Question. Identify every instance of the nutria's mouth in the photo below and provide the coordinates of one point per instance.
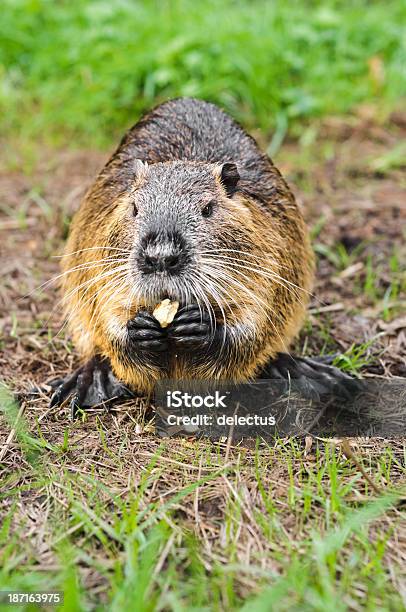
(154, 288)
(152, 293)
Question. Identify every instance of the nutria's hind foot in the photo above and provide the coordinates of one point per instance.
(316, 376)
(90, 385)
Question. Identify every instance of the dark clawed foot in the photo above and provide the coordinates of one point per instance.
(191, 328)
(145, 334)
(316, 376)
(323, 359)
(55, 382)
(92, 384)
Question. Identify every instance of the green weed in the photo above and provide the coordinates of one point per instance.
(356, 357)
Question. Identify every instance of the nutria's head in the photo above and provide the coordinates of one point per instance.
(185, 224)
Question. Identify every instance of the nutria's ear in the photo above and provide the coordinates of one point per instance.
(140, 169)
(229, 177)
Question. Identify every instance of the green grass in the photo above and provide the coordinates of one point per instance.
(385, 296)
(114, 545)
(146, 557)
(356, 357)
(391, 160)
(338, 254)
(81, 72)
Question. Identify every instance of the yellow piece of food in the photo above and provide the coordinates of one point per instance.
(165, 312)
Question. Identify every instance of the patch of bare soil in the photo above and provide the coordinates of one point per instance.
(348, 199)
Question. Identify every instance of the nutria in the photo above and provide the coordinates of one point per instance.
(189, 209)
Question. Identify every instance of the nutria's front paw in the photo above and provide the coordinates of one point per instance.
(191, 328)
(146, 335)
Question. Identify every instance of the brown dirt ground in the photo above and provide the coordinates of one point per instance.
(336, 180)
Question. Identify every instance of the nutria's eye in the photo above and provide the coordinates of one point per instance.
(208, 210)
(135, 210)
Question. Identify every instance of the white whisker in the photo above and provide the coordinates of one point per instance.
(255, 268)
(95, 248)
(262, 305)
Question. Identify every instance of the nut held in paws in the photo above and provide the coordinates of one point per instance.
(165, 312)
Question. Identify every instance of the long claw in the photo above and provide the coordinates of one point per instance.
(314, 376)
(92, 384)
(64, 390)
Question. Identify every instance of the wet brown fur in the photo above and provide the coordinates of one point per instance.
(262, 218)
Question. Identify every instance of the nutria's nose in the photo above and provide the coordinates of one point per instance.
(162, 251)
(169, 263)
